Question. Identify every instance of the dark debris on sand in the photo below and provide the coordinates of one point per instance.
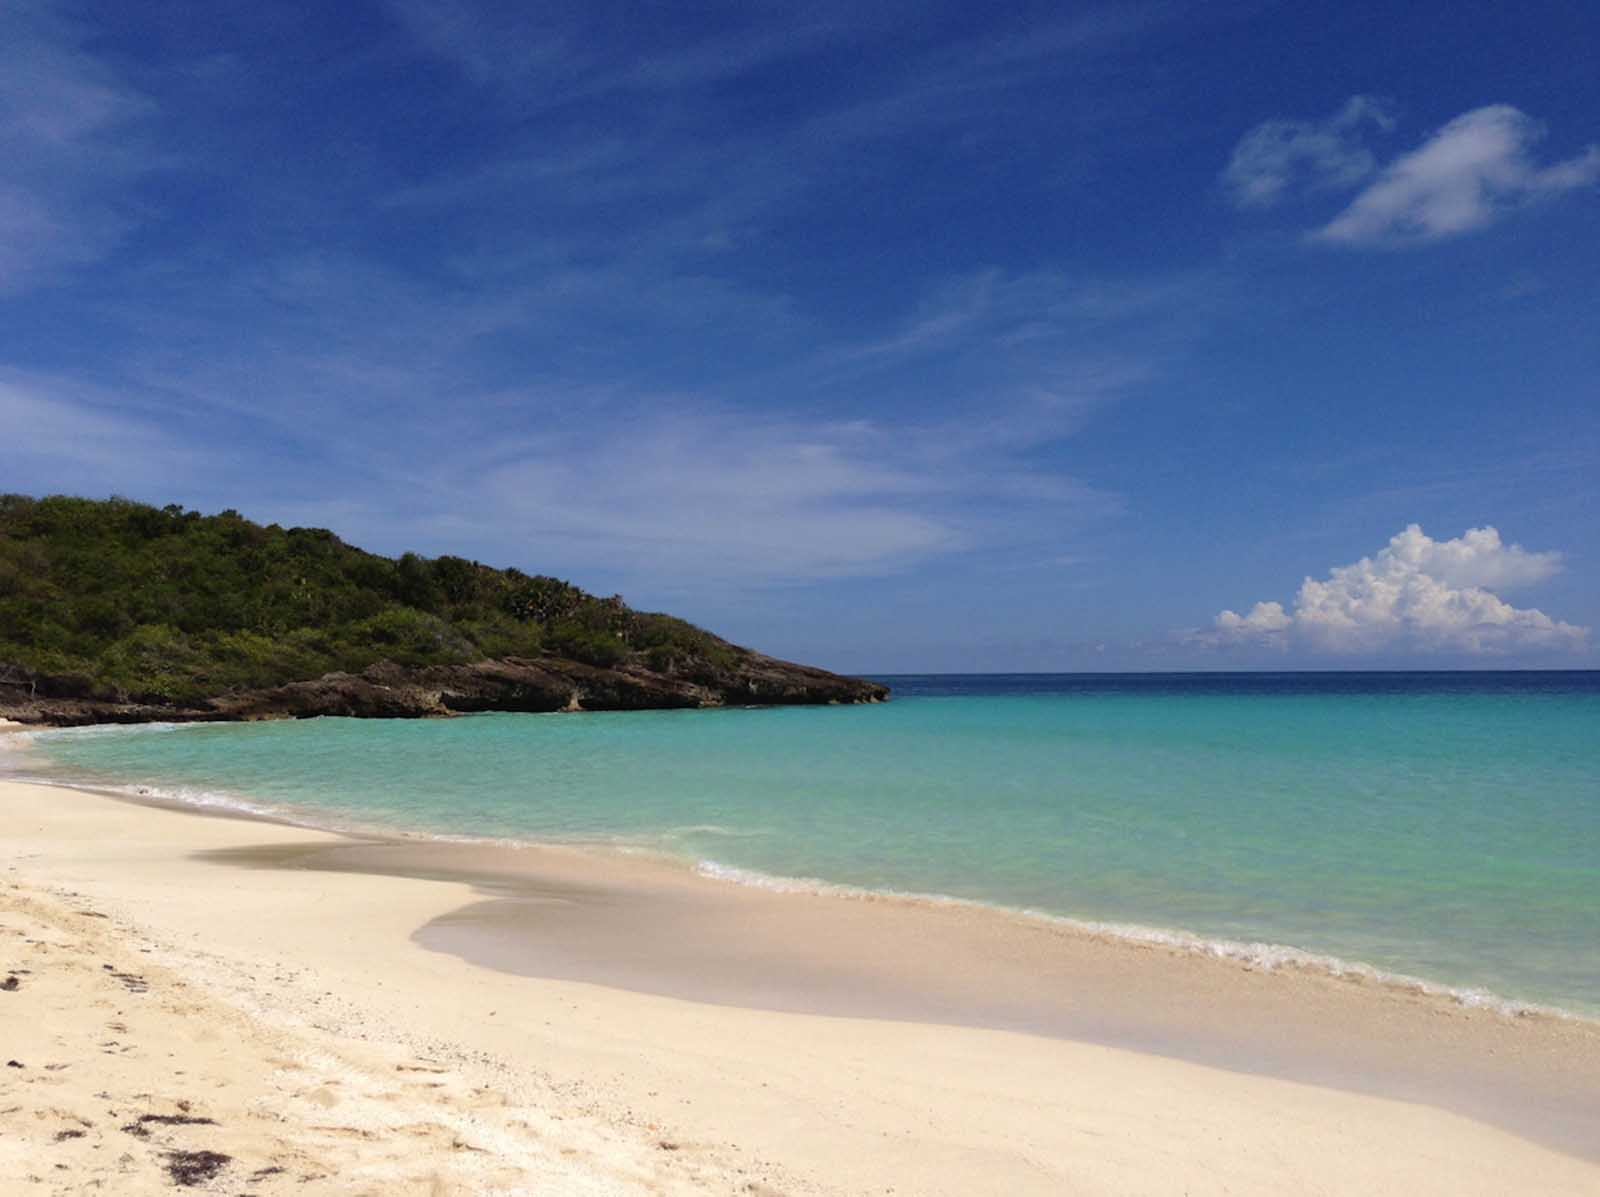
(140, 1127)
(189, 1168)
(132, 982)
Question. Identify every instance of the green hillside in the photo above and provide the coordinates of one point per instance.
(171, 606)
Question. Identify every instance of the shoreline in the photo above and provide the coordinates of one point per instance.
(162, 1031)
(1268, 955)
(648, 926)
(435, 932)
(1265, 955)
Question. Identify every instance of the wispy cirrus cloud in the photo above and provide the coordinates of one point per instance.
(667, 489)
(61, 435)
(680, 181)
(1279, 158)
(557, 367)
(1040, 307)
(548, 54)
(699, 489)
(1416, 595)
(64, 154)
(356, 374)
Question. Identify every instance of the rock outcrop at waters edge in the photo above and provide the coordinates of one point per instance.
(389, 691)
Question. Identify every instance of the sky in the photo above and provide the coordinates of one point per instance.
(891, 337)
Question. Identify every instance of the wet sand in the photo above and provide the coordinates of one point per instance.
(653, 928)
(656, 1032)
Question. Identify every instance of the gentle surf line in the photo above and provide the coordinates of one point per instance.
(1267, 956)
(638, 924)
(1255, 954)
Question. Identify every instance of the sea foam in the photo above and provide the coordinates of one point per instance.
(1269, 957)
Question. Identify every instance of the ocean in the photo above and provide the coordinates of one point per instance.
(1438, 826)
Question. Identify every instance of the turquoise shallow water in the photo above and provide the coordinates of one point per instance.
(1440, 826)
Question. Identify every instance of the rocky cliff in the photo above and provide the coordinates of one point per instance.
(389, 691)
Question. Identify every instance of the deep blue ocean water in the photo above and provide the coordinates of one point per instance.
(1443, 826)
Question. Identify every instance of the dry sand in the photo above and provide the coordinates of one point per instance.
(331, 1051)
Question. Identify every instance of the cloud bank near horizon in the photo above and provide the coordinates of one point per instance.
(1417, 594)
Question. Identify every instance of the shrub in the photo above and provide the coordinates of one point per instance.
(170, 603)
(591, 646)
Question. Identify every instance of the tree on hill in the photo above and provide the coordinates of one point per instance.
(168, 605)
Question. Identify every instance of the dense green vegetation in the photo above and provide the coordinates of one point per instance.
(163, 604)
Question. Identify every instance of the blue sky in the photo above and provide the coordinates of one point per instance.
(886, 336)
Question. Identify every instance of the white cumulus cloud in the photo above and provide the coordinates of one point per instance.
(1278, 156)
(1461, 179)
(1417, 594)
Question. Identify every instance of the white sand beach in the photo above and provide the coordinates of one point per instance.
(168, 1005)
